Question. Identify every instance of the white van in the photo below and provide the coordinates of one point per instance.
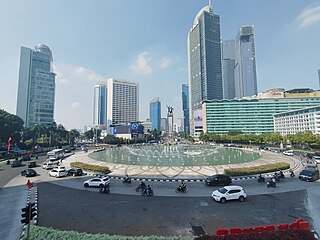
(49, 165)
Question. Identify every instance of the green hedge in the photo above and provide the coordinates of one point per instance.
(256, 170)
(43, 233)
(90, 167)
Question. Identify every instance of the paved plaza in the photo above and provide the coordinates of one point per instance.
(179, 172)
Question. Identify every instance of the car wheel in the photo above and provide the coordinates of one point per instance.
(74, 175)
(101, 185)
(241, 198)
(223, 200)
(86, 185)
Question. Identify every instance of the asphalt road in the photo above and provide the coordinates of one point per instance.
(89, 211)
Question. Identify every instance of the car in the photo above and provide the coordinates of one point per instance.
(288, 153)
(311, 166)
(227, 193)
(29, 172)
(309, 175)
(57, 173)
(75, 172)
(60, 168)
(16, 163)
(218, 180)
(48, 165)
(316, 159)
(32, 164)
(96, 182)
(67, 150)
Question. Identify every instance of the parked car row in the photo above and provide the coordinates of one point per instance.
(58, 171)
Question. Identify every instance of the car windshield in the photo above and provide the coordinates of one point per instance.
(222, 190)
(306, 173)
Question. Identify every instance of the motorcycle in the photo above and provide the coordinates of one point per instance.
(291, 173)
(126, 180)
(104, 189)
(261, 179)
(141, 186)
(281, 175)
(276, 177)
(181, 189)
(271, 183)
(147, 192)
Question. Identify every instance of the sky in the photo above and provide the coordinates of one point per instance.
(146, 41)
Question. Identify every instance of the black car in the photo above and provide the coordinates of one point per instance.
(309, 175)
(75, 172)
(29, 173)
(32, 164)
(218, 180)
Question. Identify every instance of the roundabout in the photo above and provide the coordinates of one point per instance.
(182, 171)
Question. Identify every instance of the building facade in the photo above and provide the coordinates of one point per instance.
(100, 105)
(155, 113)
(204, 61)
(254, 116)
(122, 101)
(36, 86)
(228, 65)
(185, 108)
(164, 125)
(245, 63)
(301, 120)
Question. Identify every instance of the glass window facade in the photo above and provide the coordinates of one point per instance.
(185, 108)
(155, 114)
(36, 87)
(249, 116)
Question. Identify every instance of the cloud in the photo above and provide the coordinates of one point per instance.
(142, 64)
(309, 16)
(165, 62)
(75, 104)
(68, 72)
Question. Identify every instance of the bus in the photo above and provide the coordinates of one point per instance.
(55, 154)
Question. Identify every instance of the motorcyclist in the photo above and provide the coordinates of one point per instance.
(281, 174)
(149, 190)
(182, 186)
(106, 187)
(142, 185)
(127, 179)
(291, 173)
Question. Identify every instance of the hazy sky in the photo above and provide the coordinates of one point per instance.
(146, 41)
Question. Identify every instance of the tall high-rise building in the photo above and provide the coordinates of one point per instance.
(155, 113)
(245, 63)
(228, 63)
(319, 77)
(122, 101)
(164, 125)
(36, 86)
(100, 105)
(185, 108)
(204, 60)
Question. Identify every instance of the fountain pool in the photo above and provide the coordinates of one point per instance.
(176, 155)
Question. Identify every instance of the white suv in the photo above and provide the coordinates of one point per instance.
(48, 165)
(96, 182)
(229, 193)
(58, 173)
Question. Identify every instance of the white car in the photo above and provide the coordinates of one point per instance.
(229, 193)
(288, 153)
(316, 159)
(96, 182)
(58, 173)
(48, 165)
(60, 168)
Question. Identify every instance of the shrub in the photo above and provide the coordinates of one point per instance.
(90, 167)
(256, 170)
(43, 233)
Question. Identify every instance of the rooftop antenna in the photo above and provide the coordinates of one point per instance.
(210, 3)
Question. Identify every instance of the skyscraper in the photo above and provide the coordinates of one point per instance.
(36, 86)
(122, 101)
(204, 60)
(228, 63)
(245, 63)
(100, 105)
(185, 108)
(155, 113)
(319, 77)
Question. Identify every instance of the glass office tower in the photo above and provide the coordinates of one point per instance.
(155, 113)
(245, 63)
(100, 105)
(228, 63)
(36, 86)
(204, 60)
(185, 108)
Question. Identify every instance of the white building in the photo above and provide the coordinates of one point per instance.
(36, 87)
(301, 120)
(122, 101)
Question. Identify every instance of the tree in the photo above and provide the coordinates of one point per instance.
(10, 126)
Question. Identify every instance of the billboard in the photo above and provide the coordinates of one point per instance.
(197, 118)
(136, 129)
